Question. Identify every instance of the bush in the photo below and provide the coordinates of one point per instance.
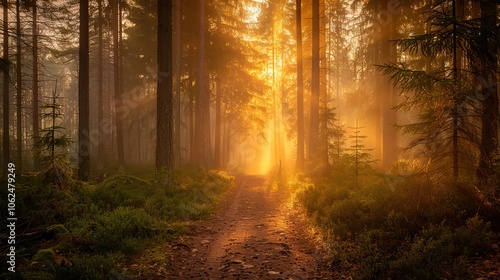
(387, 226)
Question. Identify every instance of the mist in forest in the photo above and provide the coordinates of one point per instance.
(123, 121)
(249, 86)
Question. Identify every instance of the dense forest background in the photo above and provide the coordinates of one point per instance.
(401, 94)
(252, 84)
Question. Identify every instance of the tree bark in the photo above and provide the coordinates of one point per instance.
(83, 94)
(164, 114)
(36, 121)
(6, 81)
(100, 109)
(218, 109)
(178, 71)
(193, 157)
(315, 84)
(19, 128)
(202, 133)
(116, 84)
(458, 6)
(388, 91)
(489, 87)
(299, 165)
(323, 90)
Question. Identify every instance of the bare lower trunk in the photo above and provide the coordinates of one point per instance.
(489, 87)
(83, 94)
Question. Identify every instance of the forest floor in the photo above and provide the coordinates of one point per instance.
(259, 232)
(256, 234)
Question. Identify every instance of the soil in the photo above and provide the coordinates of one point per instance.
(255, 235)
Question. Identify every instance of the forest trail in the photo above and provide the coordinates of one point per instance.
(255, 235)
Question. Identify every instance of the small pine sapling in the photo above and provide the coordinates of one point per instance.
(51, 146)
(361, 156)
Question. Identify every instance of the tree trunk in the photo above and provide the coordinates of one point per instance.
(36, 121)
(299, 165)
(389, 92)
(193, 157)
(19, 128)
(489, 87)
(227, 141)
(315, 85)
(218, 109)
(83, 94)
(323, 152)
(458, 6)
(178, 71)
(116, 84)
(5, 69)
(100, 106)
(164, 123)
(203, 141)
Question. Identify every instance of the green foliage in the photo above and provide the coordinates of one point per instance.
(443, 73)
(387, 228)
(57, 229)
(50, 147)
(92, 266)
(125, 229)
(190, 199)
(91, 229)
(122, 190)
(42, 266)
(441, 251)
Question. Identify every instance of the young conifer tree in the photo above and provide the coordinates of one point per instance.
(361, 156)
(50, 148)
(441, 93)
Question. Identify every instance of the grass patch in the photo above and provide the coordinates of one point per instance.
(394, 227)
(93, 230)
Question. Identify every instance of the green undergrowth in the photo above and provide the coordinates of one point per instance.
(395, 227)
(93, 230)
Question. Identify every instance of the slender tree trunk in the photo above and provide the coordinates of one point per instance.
(100, 109)
(458, 6)
(83, 94)
(338, 23)
(378, 83)
(218, 109)
(116, 84)
(139, 144)
(489, 88)
(126, 145)
(19, 128)
(227, 145)
(323, 89)
(299, 165)
(6, 81)
(275, 115)
(178, 71)
(223, 158)
(164, 123)
(193, 157)
(203, 101)
(315, 85)
(388, 91)
(36, 121)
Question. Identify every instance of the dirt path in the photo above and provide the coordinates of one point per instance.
(254, 236)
